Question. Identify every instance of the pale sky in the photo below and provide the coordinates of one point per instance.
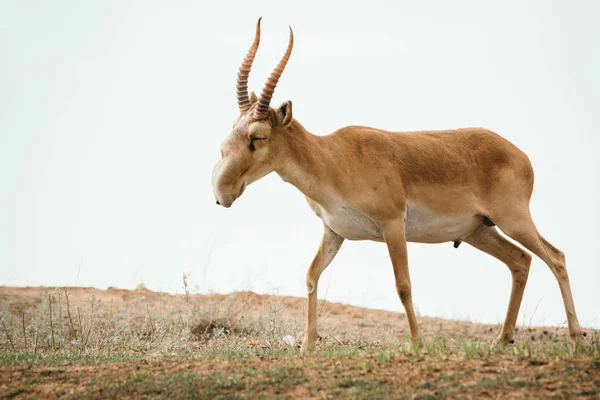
(112, 115)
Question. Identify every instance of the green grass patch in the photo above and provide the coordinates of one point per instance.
(381, 355)
(21, 357)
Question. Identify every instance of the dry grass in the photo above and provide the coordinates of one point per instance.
(86, 321)
(115, 343)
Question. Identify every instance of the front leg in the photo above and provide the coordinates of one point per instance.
(395, 238)
(330, 244)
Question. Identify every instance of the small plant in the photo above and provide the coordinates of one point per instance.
(241, 336)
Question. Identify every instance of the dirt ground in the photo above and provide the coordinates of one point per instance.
(137, 344)
(341, 318)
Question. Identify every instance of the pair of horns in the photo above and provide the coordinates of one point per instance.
(262, 109)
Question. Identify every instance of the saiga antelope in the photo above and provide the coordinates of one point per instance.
(392, 187)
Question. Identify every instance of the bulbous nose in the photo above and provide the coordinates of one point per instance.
(218, 203)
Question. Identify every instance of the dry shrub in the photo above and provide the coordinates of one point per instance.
(92, 321)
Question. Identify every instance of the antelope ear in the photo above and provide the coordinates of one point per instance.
(284, 114)
(253, 98)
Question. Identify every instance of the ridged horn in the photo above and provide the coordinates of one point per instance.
(262, 109)
(242, 82)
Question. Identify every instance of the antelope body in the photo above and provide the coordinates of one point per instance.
(392, 187)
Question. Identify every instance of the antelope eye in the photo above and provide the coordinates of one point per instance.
(251, 145)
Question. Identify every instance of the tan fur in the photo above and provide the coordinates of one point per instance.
(428, 186)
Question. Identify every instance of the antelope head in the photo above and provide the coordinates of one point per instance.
(256, 144)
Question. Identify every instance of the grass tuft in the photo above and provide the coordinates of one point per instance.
(84, 343)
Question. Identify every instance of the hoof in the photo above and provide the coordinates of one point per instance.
(579, 340)
(306, 347)
(502, 341)
(416, 341)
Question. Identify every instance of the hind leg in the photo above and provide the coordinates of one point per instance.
(520, 227)
(488, 240)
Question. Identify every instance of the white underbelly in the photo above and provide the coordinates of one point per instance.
(424, 226)
(350, 224)
(421, 225)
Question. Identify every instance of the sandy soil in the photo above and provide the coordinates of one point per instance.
(340, 318)
(380, 371)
